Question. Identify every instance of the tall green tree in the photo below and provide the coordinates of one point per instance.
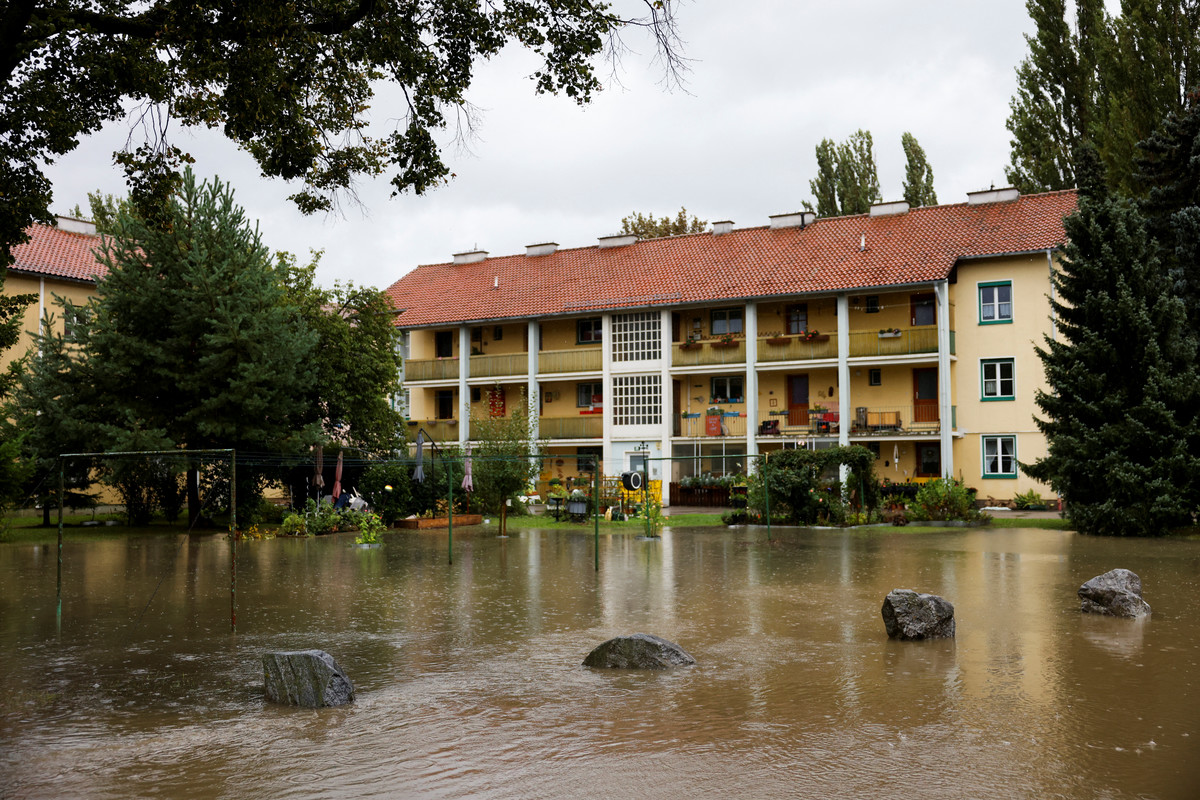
(290, 83)
(847, 180)
(647, 226)
(191, 342)
(918, 175)
(1121, 413)
(507, 457)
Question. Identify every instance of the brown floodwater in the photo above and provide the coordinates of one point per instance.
(470, 685)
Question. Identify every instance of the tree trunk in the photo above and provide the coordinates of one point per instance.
(193, 496)
(504, 518)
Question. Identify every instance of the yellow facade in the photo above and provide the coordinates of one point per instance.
(44, 289)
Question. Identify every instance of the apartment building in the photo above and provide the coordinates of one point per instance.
(909, 331)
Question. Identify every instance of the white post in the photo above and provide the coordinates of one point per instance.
(843, 382)
(464, 392)
(668, 408)
(532, 389)
(606, 415)
(751, 315)
(941, 291)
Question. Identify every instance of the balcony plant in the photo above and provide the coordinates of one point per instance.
(692, 343)
(777, 338)
(889, 333)
(725, 340)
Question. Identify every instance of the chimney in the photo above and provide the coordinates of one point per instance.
(889, 209)
(992, 196)
(617, 240)
(470, 257)
(796, 219)
(722, 227)
(543, 249)
(72, 225)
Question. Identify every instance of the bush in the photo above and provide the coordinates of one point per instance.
(943, 499)
(1027, 499)
(388, 489)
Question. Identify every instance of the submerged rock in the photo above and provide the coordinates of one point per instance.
(1117, 593)
(908, 615)
(308, 678)
(638, 651)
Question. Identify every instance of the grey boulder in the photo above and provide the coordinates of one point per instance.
(908, 615)
(308, 678)
(638, 651)
(1116, 593)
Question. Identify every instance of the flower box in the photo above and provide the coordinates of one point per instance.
(780, 340)
(426, 523)
(724, 344)
(818, 337)
(889, 334)
(690, 346)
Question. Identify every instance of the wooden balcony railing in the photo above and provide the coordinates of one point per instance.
(581, 359)
(796, 349)
(708, 352)
(442, 430)
(731, 423)
(506, 364)
(430, 369)
(590, 426)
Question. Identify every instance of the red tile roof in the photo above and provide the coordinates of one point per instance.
(916, 247)
(60, 254)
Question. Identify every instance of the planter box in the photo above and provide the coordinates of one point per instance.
(820, 337)
(724, 344)
(439, 522)
(895, 335)
(778, 340)
(692, 346)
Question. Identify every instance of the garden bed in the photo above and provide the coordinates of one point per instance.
(426, 523)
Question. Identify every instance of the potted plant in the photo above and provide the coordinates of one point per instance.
(889, 333)
(692, 343)
(777, 338)
(726, 340)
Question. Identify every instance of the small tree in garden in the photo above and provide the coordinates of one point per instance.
(803, 492)
(387, 487)
(506, 458)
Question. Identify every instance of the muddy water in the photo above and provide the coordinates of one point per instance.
(470, 685)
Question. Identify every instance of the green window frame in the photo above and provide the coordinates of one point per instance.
(997, 379)
(995, 303)
(999, 456)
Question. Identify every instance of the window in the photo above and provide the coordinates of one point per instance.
(797, 318)
(999, 456)
(727, 389)
(443, 344)
(726, 320)
(637, 400)
(995, 302)
(587, 394)
(996, 379)
(637, 337)
(444, 402)
(497, 333)
(589, 331)
(74, 319)
(874, 377)
(589, 457)
(929, 460)
(872, 304)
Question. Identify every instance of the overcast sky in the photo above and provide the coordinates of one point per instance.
(769, 79)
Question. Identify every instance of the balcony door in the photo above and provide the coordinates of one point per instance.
(797, 398)
(925, 395)
(924, 309)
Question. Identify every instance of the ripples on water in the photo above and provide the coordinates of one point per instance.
(469, 681)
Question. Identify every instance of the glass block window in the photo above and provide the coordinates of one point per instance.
(999, 456)
(637, 337)
(637, 400)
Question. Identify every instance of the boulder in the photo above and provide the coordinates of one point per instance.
(638, 651)
(1117, 593)
(308, 678)
(908, 615)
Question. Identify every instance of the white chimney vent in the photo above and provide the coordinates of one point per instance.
(992, 196)
(889, 209)
(72, 225)
(796, 219)
(722, 227)
(543, 249)
(470, 257)
(617, 240)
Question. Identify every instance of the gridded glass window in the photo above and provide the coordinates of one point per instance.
(726, 320)
(637, 399)
(999, 456)
(588, 393)
(995, 302)
(637, 337)
(727, 389)
(797, 318)
(589, 331)
(996, 376)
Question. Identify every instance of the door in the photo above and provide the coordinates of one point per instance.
(929, 460)
(797, 318)
(443, 343)
(924, 309)
(925, 395)
(797, 397)
(677, 409)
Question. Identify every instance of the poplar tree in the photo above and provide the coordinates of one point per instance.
(847, 180)
(1120, 415)
(918, 175)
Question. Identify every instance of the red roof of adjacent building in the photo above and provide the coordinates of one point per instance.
(58, 253)
(919, 246)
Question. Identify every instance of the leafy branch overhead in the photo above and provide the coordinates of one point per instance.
(293, 84)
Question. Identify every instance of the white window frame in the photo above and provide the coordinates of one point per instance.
(992, 447)
(997, 379)
(995, 304)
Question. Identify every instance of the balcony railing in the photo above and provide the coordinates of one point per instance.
(499, 365)
(430, 369)
(581, 359)
(730, 423)
(908, 341)
(589, 426)
(442, 430)
(865, 421)
(708, 353)
(772, 348)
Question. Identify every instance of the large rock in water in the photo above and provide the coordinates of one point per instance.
(308, 678)
(908, 615)
(1117, 593)
(638, 651)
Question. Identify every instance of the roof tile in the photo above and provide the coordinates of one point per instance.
(60, 254)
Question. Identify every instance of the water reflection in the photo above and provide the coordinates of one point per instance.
(469, 680)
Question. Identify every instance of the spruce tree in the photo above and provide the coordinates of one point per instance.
(1120, 416)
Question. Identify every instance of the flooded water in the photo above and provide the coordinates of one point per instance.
(469, 679)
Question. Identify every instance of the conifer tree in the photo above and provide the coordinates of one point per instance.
(1120, 416)
(918, 175)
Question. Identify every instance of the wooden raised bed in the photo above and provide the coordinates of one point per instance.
(439, 522)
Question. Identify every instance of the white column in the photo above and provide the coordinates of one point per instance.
(606, 416)
(751, 314)
(464, 393)
(941, 291)
(843, 378)
(532, 389)
(668, 408)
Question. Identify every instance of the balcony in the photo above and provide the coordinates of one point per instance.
(581, 359)
(430, 369)
(585, 426)
(701, 425)
(905, 342)
(867, 421)
(710, 352)
(440, 430)
(775, 348)
(499, 366)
